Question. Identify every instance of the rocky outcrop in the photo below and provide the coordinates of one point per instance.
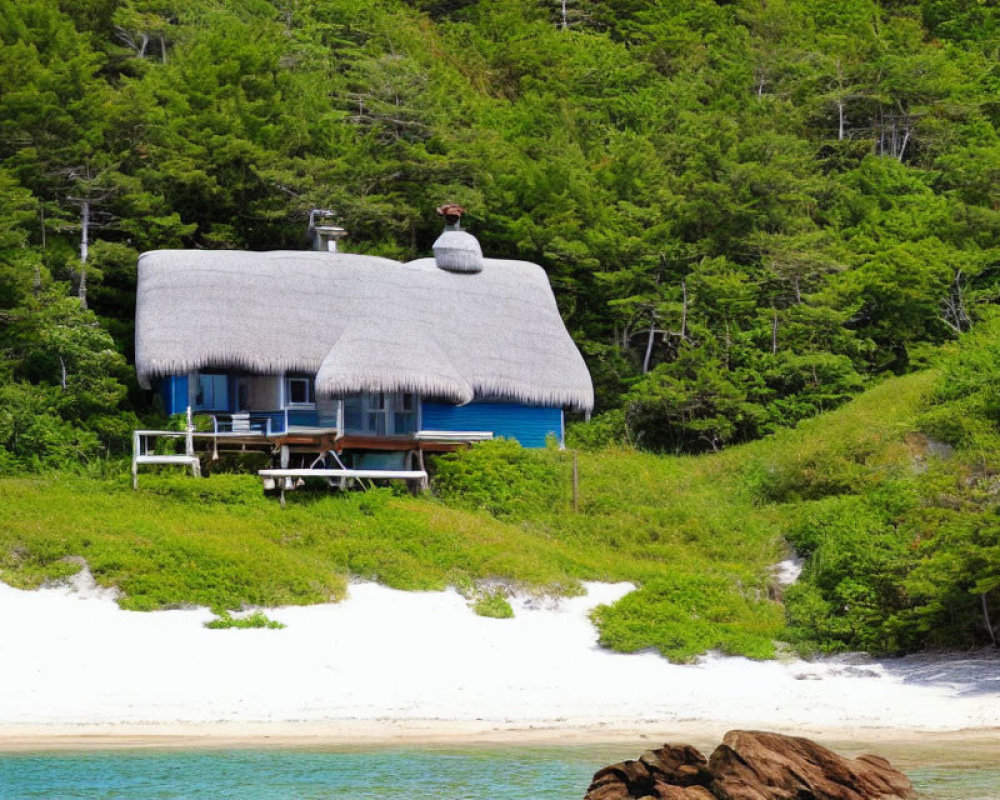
(751, 765)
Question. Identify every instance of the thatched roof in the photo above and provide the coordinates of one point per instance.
(360, 323)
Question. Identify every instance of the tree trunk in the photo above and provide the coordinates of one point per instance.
(62, 367)
(774, 334)
(840, 120)
(902, 147)
(986, 619)
(649, 343)
(84, 251)
(565, 19)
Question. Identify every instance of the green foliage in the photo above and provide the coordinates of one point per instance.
(257, 619)
(499, 477)
(604, 430)
(684, 616)
(900, 532)
(221, 543)
(689, 407)
(493, 604)
(747, 211)
(852, 585)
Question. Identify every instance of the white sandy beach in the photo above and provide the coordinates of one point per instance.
(387, 666)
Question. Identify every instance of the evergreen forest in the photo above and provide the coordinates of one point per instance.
(751, 212)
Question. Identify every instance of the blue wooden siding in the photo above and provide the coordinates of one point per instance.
(530, 425)
(174, 393)
(303, 416)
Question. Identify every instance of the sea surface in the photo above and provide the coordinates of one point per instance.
(435, 774)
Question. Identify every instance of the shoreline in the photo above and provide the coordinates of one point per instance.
(390, 669)
(902, 744)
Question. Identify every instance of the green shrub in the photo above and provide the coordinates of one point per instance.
(683, 616)
(500, 477)
(493, 604)
(604, 430)
(258, 619)
(853, 581)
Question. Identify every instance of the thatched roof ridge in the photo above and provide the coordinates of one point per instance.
(360, 323)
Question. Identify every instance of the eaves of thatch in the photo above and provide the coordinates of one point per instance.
(360, 323)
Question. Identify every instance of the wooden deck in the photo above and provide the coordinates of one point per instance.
(302, 442)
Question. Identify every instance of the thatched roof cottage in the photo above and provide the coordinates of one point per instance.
(358, 345)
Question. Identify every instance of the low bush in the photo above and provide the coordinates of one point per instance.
(501, 478)
(683, 616)
(493, 604)
(258, 619)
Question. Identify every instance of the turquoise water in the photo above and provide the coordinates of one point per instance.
(510, 774)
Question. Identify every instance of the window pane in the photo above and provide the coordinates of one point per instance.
(298, 390)
(212, 392)
(352, 413)
(404, 422)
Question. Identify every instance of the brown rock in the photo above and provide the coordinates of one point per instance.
(663, 791)
(752, 765)
(628, 779)
(678, 765)
(612, 791)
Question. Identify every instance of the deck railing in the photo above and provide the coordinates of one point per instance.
(144, 449)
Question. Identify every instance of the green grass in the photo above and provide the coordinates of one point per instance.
(258, 619)
(696, 534)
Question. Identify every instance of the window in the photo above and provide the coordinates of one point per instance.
(404, 413)
(211, 392)
(380, 413)
(299, 391)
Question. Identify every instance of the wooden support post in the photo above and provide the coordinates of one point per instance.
(576, 484)
(425, 483)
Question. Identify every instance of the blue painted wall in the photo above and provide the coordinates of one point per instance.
(174, 393)
(303, 416)
(530, 425)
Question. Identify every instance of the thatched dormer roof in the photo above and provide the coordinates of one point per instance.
(360, 323)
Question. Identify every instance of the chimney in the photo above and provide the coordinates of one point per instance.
(455, 250)
(323, 233)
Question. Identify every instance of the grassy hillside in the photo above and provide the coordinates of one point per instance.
(696, 533)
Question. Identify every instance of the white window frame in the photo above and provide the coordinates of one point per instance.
(387, 411)
(286, 391)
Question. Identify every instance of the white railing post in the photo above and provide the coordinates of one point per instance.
(135, 459)
(189, 445)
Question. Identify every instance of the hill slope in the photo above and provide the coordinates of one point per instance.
(898, 538)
